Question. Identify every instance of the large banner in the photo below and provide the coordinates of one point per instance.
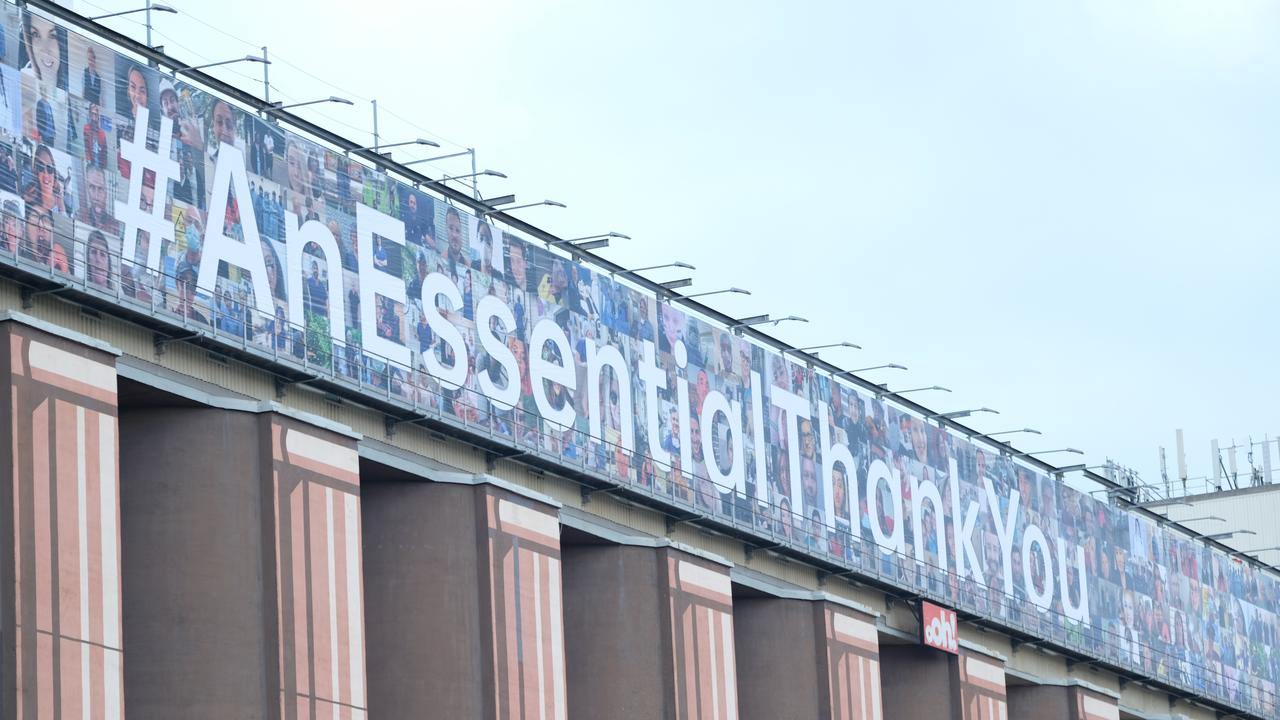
(136, 187)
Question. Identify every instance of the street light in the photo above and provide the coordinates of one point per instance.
(1215, 518)
(276, 107)
(1224, 535)
(550, 203)
(447, 178)
(762, 319)
(152, 8)
(246, 58)
(888, 366)
(1048, 452)
(441, 157)
(676, 264)
(811, 348)
(737, 290)
(1033, 431)
(1259, 550)
(380, 148)
(962, 413)
(618, 235)
(887, 391)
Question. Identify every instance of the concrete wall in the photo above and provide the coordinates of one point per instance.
(806, 658)
(781, 668)
(677, 609)
(1040, 702)
(195, 608)
(242, 578)
(917, 682)
(616, 659)
(920, 682)
(1069, 702)
(464, 602)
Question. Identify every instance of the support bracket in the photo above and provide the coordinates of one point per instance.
(282, 386)
(673, 522)
(587, 492)
(29, 296)
(391, 422)
(491, 459)
(749, 551)
(161, 340)
(823, 577)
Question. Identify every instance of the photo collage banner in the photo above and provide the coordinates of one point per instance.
(135, 186)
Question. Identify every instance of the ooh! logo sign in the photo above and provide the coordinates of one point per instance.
(940, 629)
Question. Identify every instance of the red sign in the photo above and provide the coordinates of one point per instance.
(939, 628)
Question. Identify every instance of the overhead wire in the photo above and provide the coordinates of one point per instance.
(345, 92)
(278, 92)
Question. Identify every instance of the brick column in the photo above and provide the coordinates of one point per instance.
(923, 682)
(806, 658)
(649, 634)
(464, 602)
(242, 566)
(60, 629)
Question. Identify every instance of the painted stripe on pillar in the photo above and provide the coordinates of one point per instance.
(65, 519)
(527, 631)
(702, 635)
(1094, 708)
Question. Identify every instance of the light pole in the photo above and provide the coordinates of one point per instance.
(379, 148)
(954, 414)
(886, 366)
(895, 393)
(676, 264)
(548, 203)
(246, 58)
(277, 107)
(763, 319)
(1047, 452)
(813, 348)
(736, 290)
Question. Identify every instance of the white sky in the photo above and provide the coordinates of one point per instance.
(1062, 210)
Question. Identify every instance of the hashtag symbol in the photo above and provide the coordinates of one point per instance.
(163, 168)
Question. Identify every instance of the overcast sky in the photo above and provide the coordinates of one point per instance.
(1066, 211)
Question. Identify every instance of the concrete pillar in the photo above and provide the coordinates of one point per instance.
(60, 629)
(649, 634)
(242, 566)
(918, 681)
(464, 602)
(1052, 702)
(830, 654)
